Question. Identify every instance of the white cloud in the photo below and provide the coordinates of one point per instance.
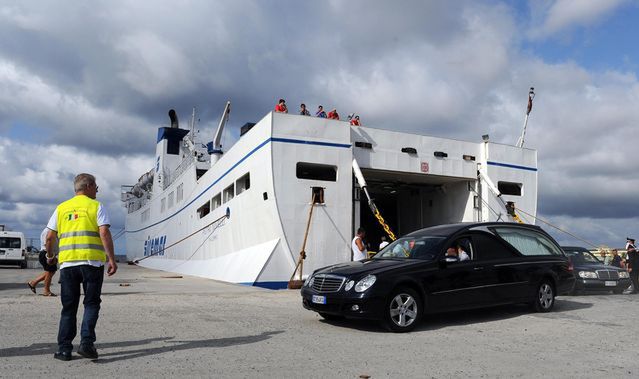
(153, 67)
(565, 14)
(91, 89)
(64, 118)
(39, 177)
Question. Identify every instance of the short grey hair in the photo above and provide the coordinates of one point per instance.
(83, 181)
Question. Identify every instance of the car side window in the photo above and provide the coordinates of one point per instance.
(528, 242)
(487, 248)
(460, 250)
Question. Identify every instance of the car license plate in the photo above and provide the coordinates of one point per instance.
(610, 283)
(319, 299)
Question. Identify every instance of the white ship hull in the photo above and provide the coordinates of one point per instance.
(283, 157)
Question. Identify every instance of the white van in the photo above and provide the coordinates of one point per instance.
(12, 248)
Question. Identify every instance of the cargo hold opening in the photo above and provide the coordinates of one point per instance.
(409, 202)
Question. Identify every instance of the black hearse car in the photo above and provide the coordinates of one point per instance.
(593, 275)
(422, 273)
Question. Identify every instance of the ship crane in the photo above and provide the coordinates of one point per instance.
(215, 147)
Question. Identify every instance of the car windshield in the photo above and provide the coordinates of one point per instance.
(582, 257)
(426, 248)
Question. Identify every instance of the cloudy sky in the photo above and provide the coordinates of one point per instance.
(84, 86)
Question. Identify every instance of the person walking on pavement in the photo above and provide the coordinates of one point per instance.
(357, 245)
(81, 225)
(49, 265)
(633, 264)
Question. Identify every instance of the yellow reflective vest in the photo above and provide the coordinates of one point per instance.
(78, 233)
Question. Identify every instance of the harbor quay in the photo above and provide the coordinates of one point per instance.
(159, 324)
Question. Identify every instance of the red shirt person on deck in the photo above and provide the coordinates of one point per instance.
(281, 106)
(333, 115)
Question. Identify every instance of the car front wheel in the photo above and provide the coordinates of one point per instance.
(403, 310)
(544, 297)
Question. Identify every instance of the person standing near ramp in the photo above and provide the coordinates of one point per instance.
(81, 225)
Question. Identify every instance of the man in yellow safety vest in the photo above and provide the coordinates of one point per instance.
(81, 226)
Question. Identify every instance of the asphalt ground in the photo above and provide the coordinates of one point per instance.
(155, 325)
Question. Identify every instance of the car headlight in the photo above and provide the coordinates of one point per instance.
(365, 283)
(349, 285)
(587, 275)
(624, 274)
(310, 281)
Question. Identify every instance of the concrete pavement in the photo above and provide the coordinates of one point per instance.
(161, 326)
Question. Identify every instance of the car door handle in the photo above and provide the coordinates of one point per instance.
(478, 268)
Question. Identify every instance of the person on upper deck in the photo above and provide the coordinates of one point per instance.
(333, 114)
(320, 112)
(303, 110)
(281, 106)
(355, 121)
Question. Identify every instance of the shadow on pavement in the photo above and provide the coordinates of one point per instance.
(14, 286)
(181, 345)
(466, 317)
(172, 345)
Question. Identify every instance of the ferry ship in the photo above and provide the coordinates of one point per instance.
(241, 215)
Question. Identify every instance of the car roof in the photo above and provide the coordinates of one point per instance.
(449, 229)
(580, 248)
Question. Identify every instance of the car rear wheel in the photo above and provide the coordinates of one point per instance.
(403, 310)
(544, 297)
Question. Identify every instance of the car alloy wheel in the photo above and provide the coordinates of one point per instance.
(545, 298)
(403, 311)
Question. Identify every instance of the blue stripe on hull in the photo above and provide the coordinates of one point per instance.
(268, 285)
(267, 141)
(490, 163)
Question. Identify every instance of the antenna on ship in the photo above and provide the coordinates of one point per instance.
(531, 96)
(193, 125)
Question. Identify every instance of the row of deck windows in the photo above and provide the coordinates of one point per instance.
(235, 189)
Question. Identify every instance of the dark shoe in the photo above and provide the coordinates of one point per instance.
(32, 288)
(88, 352)
(63, 355)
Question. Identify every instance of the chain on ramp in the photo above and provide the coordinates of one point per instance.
(384, 225)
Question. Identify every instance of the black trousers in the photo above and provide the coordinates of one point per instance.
(634, 276)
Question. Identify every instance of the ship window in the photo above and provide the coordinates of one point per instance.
(509, 188)
(162, 205)
(173, 146)
(216, 201)
(180, 192)
(314, 171)
(243, 183)
(146, 215)
(229, 193)
(204, 209)
(171, 199)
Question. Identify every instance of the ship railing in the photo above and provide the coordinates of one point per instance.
(172, 176)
